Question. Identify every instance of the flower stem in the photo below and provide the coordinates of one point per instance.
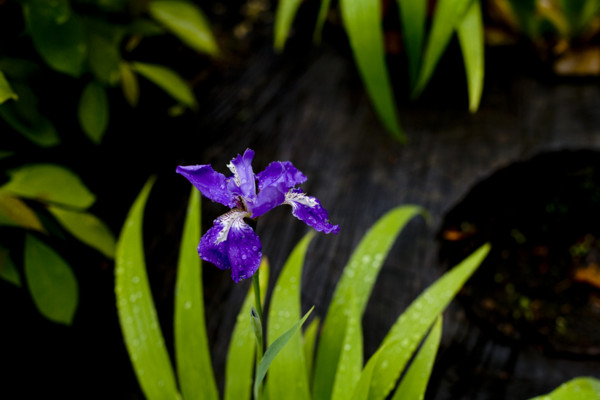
(257, 320)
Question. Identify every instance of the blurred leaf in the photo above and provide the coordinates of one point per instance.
(24, 117)
(321, 18)
(18, 68)
(414, 382)
(579, 14)
(192, 352)
(137, 314)
(6, 92)
(362, 19)
(357, 282)
(51, 282)
(49, 183)
(57, 34)
(168, 81)
(6, 154)
(14, 212)
(287, 375)
(284, 17)
(447, 15)
(87, 228)
(310, 339)
(186, 21)
(525, 13)
(410, 328)
(470, 36)
(274, 349)
(129, 84)
(104, 58)
(240, 355)
(413, 14)
(8, 271)
(93, 111)
(583, 388)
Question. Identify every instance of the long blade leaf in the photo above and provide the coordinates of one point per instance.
(413, 14)
(286, 11)
(470, 37)
(582, 388)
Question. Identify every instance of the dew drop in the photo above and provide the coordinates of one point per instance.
(187, 305)
(135, 279)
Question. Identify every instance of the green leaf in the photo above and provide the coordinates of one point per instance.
(240, 355)
(8, 270)
(356, 282)
(413, 14)
(321, 18)
(14, 212)
(93, 111)
(57, 34)
(104, 58)
(274, 349)
(168, 81)
(6, 92)
(192, 352)
(129, 84)
(286, 11)
(362, 19)
(310, 340)
(49, 183)
(87, 228)
(287, 375)
(186, 21)
(582, 388)
(414, 382)
(51, 282)
(137, 314)
(448, 14)
(410, 328)
(470, 36)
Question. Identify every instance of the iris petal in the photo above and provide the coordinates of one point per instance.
(281, 174)
(210, 183)
(267, 199)
(308, 209)
(243, 181)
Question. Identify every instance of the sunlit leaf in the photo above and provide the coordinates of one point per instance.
(287, 376)
(6, 92)
(310, 340)
(240, 355)
(274, 349)
(582, 388)
(410, 328)
(93, 111)
(51, 282)
(87, 228)
(470, 36)
(58, 34)
(168, 81)
(192, 352)
(129, 84)
(49, 183)
(286, 11)
(447, 16)
(14, 212)
(321, 18)
(414, 382)
(357, 282)
(137, 314)
(8, 270)
(362, 19)
(186, 21)
(413, 14)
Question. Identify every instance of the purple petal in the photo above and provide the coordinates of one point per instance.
(232, 244)
(267, 199)
(210, 183)
(309, 210)
(282, 174)
(243, 181)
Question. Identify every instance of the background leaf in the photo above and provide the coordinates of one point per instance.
(186, 21)
(8, 270)
(93, 111)
(310, 340)
(14, 212)
(51, 282)
(287, 375)
(87, 228)
(104, 55)
(470, 36)
(413, 14)
(129, 84)
(168, 81)
(6, 92)
(49, 183)
(321, 18)
(284, 17)
(362, 19)
(137, 314)
(192, 352)
(583, 388)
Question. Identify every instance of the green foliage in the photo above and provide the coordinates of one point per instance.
(6, 92)
(8, 270)
(413, 14)
(583, 388)
(470, 36)
(93, 111)
(168, 80)
(14, 212)
(286, 11)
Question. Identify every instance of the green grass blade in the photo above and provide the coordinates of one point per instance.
(242, 347)
(470, 37)
(362, 19)
(410, 328)
(273, 350)
(357, 281)
(414, 383)
(192, 353)
(137, 314)
(310, 340)
(284, 17)
(582, 388)
(447, 16)
(321, 18)
(413, 14)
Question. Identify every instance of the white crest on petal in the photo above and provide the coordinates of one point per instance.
(293, 198)
(232, 217)
(236, 176)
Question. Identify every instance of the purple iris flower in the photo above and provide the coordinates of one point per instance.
(231, 243)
